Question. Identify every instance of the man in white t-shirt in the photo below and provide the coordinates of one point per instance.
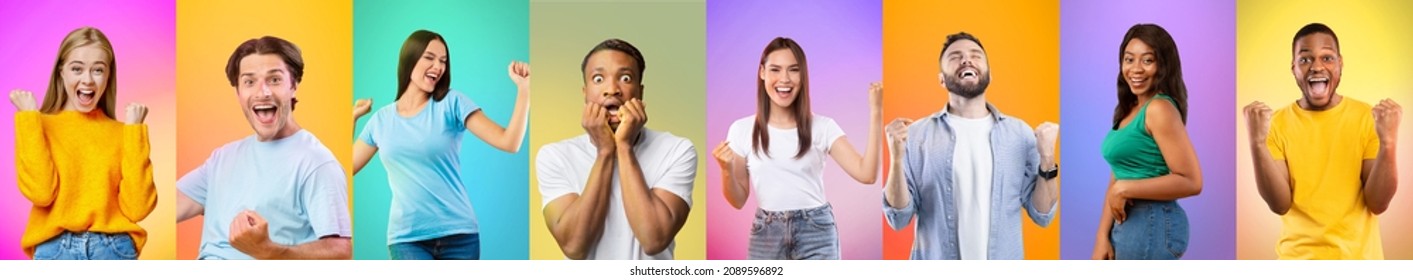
(278, 194)
(620, 191)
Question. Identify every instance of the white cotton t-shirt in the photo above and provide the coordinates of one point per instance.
(971, 180)
(780, 181)
(668, 162)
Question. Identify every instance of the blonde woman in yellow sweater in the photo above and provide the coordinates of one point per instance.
(88, 175)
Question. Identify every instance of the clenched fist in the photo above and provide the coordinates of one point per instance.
(362, 107)
(23, 100)
(897, 132)
(1045, 138)
(1386, 116)
(1258, 121)
(136, 113)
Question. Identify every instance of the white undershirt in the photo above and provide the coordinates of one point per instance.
(971, 162)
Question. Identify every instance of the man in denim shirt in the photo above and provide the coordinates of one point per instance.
(968, 168)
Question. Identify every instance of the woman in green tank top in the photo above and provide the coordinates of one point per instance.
(1148, 150)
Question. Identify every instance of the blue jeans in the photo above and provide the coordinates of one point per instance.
(1155, 230)
(87, 246)
(451, 247)
(807, 234)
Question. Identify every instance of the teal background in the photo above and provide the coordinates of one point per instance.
(483, 37)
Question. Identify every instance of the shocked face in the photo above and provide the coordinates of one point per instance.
(610, 79)
(85, 73)
(266, 93)
(1316, 66)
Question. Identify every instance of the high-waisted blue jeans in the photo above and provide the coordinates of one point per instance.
(806, 234)
(1155, 230)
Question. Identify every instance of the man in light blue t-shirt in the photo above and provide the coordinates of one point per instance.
(278, 194)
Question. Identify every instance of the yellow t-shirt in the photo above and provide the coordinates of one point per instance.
(1325, 152)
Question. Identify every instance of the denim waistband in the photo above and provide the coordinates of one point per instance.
(767, 215)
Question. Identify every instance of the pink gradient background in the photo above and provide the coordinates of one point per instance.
(843, 43)
(143, 34)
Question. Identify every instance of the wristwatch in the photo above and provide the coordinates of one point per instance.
(1050, 174)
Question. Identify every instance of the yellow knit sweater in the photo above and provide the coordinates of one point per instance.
(83, 172)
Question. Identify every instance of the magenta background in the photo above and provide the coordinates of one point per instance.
(143, 34)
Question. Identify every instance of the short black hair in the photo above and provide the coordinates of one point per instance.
(616, 45)
(1314, 28)
(958, 37)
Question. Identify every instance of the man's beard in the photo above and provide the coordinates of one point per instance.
(955, 86)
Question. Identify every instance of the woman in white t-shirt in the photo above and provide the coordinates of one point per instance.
(794, 220)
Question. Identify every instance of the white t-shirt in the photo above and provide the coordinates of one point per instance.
(971, 164)
(780, 181)
(668, 162)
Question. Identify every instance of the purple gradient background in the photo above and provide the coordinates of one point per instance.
(1090, 33)
(842, 41)
(143, 36)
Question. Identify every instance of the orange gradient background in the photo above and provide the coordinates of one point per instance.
(209, 115)
(1022, 42)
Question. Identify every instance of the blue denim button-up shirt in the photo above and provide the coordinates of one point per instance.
(927, 168)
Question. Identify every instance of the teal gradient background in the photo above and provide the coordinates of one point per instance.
(483, 37)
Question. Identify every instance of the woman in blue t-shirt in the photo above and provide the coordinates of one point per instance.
(419, 136)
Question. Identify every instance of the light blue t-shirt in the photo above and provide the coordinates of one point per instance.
(420, 154)
(295, 183)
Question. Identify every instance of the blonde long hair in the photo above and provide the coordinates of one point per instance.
(55, 97)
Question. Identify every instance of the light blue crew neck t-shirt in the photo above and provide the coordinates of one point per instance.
(421, 155)
(295, 183)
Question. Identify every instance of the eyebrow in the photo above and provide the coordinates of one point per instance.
(620, 69)
(977, 51)
(81, 62)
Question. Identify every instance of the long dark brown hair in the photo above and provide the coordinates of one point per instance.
(412, 50)
(760, 137)
(1169, 76)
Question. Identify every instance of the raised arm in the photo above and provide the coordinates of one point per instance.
(895, 186)
(508, 138)
(34, 165)
(1272, 176)
(576, 219)
(1184, 179)
(735, 177)
(1047, 191)
(863, 169)
(137, 195)
(654, 214)
(1381, 174)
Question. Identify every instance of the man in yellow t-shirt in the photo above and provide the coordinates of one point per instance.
(1326, 162)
